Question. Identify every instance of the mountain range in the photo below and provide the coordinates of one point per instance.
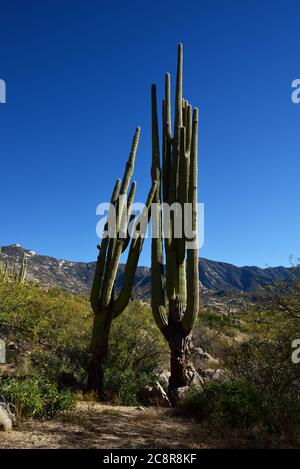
(76, 277)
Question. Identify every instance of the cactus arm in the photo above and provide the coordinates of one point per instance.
(178, 123)
(115, 244)
(131, 197)
(189, 129)
(97, 280)
(181, 242)
(112, 273)
(127, 175)
(112, 241)
(165, 174)
(130, 163)
(157, 276)
(127, 240)
(131, 215)
(157, 273)
(182, 194)
(135, 249)
(167, 140)
(184, 109)
(100, 265)
(155, 169)
(123, 228)
(168, 123)
(178, 98)
(192, 308)
(172, 266)
(177, 126)
(157, 268)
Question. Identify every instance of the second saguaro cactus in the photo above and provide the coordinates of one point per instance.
(175, 287)
(115, 241)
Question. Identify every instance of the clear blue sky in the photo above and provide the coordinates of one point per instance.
(78, 77)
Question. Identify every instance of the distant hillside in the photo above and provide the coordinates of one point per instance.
(76, 277)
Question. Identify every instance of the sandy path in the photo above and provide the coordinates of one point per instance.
(93, 425)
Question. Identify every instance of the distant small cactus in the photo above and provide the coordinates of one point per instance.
(22, 275)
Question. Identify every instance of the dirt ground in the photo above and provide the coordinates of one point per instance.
(93, 425)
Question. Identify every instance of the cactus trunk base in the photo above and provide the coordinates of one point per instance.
(99, 350)
(95, 385)
(179, 348)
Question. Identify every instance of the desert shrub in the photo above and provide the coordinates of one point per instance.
(234, 404)
(51, 327)
(215, 332)
(266, 364)
(264, 359)
(33, 398)
(51, 330)
(136, 349)
(125, 386)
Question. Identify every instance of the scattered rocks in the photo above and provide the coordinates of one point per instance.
(12, 346)
(7, 371)
(194, 378)
(217, 375)
(208, 374)
(178, 394)
(203, 360)
(5, 419)
(163, 376)
(23, 365)
(196, 350)
(155, 395)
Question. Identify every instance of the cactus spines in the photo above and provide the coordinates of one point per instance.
(104, 304)
(177, 183)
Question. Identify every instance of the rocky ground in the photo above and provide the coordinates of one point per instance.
(93, 425)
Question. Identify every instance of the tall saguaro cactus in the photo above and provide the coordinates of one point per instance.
(177, 177)
(115, 241)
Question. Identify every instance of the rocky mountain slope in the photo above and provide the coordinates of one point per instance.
(217, 278)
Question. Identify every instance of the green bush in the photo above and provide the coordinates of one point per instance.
(235, 404)
(266, 364)
(50, 327)
(51, 331)
(33, 398)
(136, 348)
(124, 387)
(263, 359)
